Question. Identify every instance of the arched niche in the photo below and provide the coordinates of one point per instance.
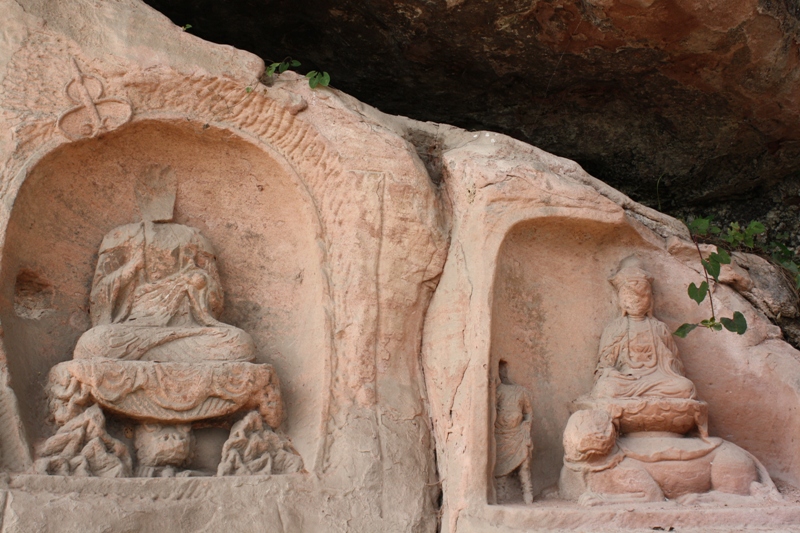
(242, 196)
(551, 302)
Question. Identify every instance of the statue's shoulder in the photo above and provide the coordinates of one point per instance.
(619, 322)
(615, 328)
(121, 234)
(512, 392)
(659, 326)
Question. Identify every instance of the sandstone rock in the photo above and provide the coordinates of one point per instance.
(381, 267)
(533, 241)
(770, 290)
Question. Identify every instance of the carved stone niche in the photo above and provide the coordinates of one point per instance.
(552, 300)
(200, 394)
(550, 305)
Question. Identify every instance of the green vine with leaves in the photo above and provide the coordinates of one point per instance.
(712, 266)
(751, 238)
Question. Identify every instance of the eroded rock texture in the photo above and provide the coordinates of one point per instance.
(673, 101)
(380, 266)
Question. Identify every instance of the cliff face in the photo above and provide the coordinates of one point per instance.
(385, 269)
(676, 102)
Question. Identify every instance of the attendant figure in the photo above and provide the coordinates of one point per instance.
(512, 431)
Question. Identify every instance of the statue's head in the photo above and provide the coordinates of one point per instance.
(634, 287)
(155, 193)
(502, 372)
(589, 434)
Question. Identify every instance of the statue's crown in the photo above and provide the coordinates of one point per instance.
(630, 269)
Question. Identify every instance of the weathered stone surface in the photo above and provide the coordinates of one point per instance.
(534, 240)
(770, 291)
(381, 267)
(328, 252)
(628, 441)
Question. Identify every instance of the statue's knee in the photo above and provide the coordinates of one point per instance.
(241, 344)
(733, 470)
(93, 343)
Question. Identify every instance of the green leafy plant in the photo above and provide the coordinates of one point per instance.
(315, 78)
(751, 238)
(737, 236)
(186, 27)
(712, 266)
(282, 67)
(786, 258)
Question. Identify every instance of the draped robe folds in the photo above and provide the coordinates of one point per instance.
(512, 428)
(156, 296)
(638, 357)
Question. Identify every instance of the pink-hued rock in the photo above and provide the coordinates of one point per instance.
(380, 267)
(601, 468)
(534, 240)
(630, 441)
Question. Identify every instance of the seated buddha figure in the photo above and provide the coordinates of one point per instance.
(638, 357)
(156, 296)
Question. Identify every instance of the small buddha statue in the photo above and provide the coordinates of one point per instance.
(638, 357)
(631, 438)
(156, 293)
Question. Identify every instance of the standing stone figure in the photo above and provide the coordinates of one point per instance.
(512, 432)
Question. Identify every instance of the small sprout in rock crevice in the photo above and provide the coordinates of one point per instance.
(315, 78)
(282, 67)
(186, 27)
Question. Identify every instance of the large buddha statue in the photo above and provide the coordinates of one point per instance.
(158, 356)
(156, 295)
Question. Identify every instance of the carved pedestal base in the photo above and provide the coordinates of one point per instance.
(254, 449)
(82, 447)
(601, 468)
(167, 393)
(162, 449)
(164, 398)
(651, 413)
